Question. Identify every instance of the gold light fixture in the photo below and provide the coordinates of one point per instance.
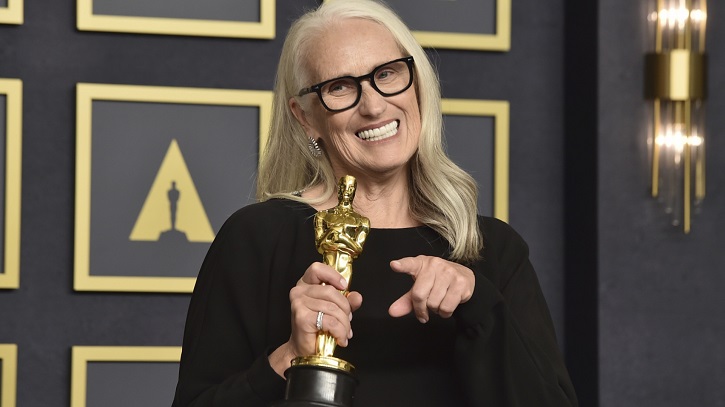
(675, 83)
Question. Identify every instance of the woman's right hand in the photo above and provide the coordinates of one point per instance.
(307, 299)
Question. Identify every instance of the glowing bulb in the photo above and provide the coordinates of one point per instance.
(694, 141)
(677, 140)
(698, 16)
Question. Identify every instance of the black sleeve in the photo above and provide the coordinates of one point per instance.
(224, 358)
(506, 350)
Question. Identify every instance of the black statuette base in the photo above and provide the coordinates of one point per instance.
(314, 386)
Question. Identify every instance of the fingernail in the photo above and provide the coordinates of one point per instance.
(422, 320)
(395, 263)
(349, 334)
(345, 342)
(350, 316)
(343, 282)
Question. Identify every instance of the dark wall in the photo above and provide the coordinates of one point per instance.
(651, 333)
(529, 76)
(661, 303)
(45, 317)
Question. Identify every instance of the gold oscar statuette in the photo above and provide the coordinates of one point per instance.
(340, 234)
(322, 380)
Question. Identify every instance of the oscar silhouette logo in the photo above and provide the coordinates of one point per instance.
(189, 221)
(322, 379)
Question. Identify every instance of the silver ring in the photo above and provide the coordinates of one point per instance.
(318, 323)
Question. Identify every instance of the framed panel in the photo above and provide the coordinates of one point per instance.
(11, 156)
(211, 18)
(111, 376)
(158, 171)
(8, 374)
(11, 11)
(477, 137)
(481, 25)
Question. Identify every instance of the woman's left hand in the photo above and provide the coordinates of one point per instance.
(439, 286)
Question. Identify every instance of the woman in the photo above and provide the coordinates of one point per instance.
(453, 311)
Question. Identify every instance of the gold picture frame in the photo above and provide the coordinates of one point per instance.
(12, 89)
(13, 13)
(262, 29)
(9, 380)
(499, 111)
(82, 355)
(498, 41)
(86, 95)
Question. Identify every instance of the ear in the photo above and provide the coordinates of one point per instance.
(301, 116)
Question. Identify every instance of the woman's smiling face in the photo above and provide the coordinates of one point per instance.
(378, 136)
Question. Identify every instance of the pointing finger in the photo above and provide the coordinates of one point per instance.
(407, 265)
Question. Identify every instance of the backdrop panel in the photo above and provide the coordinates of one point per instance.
(10, 180)
(462, 24)
(121, 376)
(215, 18)
(158, 172)
(477, 138)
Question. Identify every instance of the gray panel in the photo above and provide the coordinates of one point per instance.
(661, 324)
(4, 3)
(220, 147)
(232, 10)
(124, 384)
(458, 16)
(470, 142)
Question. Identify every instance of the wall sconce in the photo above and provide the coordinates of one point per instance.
(675, 82)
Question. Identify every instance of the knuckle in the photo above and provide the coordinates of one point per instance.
(446, 309)
(418, 296)
(330, 308)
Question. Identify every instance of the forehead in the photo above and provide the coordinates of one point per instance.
(350, 47)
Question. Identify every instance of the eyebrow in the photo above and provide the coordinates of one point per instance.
(367, 70)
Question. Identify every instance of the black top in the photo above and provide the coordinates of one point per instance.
(499, 349)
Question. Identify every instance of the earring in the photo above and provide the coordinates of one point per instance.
(314, 147)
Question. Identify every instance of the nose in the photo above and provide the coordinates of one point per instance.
(371, 102)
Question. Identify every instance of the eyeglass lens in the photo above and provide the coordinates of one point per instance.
(388, 80)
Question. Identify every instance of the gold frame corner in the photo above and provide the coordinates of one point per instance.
(499, 110)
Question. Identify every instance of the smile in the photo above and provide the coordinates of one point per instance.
(380, 133)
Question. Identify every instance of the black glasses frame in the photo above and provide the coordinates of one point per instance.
(358, 80)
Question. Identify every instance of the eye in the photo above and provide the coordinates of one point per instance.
(387, 74)
(384, 74)
(340, 87)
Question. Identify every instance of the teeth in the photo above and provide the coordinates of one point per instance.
(380, 133)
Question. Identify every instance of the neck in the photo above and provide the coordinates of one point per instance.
(385, 200)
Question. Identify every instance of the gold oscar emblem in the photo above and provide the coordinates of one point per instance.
(340, 233)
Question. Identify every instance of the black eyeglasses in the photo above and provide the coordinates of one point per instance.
(388, 79)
